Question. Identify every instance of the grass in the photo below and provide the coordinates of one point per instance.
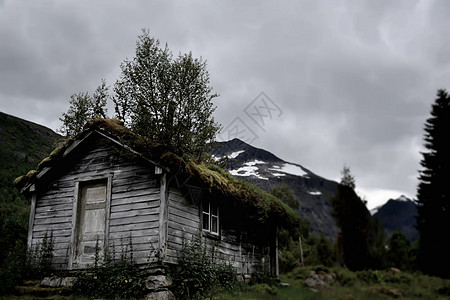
(348, 286)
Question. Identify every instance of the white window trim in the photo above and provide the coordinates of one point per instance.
(210, 217)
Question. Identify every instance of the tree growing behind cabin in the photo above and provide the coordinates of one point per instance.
(433, 196)
(83, 108)
(166, 99)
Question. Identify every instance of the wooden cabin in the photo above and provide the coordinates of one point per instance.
(108, 188)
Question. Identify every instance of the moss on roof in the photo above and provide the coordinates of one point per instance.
(264, 207)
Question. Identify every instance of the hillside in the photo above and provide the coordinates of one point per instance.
(23, 145)
(266, 171)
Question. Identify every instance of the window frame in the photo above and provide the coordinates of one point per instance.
(210, 217)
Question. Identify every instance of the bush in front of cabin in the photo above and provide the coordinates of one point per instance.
(21, 263)
(108, 280)
(199, 273)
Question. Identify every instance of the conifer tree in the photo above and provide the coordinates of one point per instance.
(347, 178)
(433, 194)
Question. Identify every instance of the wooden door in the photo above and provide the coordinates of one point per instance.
(91, 223)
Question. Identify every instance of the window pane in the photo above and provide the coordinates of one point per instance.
(205, 221)
(214, 225)
(214, 208)
(205, 205)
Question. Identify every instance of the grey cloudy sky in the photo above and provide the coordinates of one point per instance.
(344, 82)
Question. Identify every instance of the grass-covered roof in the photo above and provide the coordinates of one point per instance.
(263, 207)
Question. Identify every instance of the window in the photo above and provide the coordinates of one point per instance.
(210, 216)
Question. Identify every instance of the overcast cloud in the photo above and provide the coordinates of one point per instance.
(350, 82)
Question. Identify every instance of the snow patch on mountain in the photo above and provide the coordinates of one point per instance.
(375, 210)
(315, 193)
(235, 154)
(289, 169)
(279, 174)
(249, 169)
(232, 155)
(403, 198)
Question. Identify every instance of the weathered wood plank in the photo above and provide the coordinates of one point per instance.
(127, 185)
(133, 226)
(55, 199)
(180, 209)
(138, 219)
(124, 200)
(55, 207)
(53, 214)
(184, 221)
(133, 234)
(58, 229)
(118, 248)
(134, 206)
(177, 229)
(135, 240)
(49, 221)
(134, 213)
(135, 194)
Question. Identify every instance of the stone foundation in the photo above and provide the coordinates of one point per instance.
(157, 283)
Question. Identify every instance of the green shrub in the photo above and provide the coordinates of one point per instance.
(345, 277)
(199, 273)
(262, 289)
(123, 279)
(371, 276)
(13, 270)
(20, 263)
(39, 258)
(120, 281)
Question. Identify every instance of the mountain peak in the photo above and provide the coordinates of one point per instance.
(403, 198)
(246, 152)
(265, 170)
(398, 214)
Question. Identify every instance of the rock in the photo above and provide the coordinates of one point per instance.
(157, 282)
(320, 280)
(68, 282)
(394, 271)
(160, 295)
(247, 278)
(56, 281)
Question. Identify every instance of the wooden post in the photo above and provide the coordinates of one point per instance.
(31, 220)
(301, 250)
(163, 216)
(277, 269)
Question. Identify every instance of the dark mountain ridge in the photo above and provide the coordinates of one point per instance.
(399, 214)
